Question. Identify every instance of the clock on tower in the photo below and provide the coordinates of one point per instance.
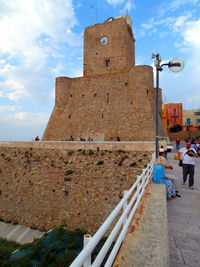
(109, 47)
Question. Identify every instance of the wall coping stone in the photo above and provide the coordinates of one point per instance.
(86, 145)
(146, 242)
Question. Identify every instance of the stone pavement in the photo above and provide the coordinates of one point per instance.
(184, 220)
(19, 233)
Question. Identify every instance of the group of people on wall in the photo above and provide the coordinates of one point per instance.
(186, 156)
(91, 139)
(80, 139)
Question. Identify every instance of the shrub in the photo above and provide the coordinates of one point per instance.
(176, 128)
(67, 179)
(100, 162)
(133, 164)
(69, 172)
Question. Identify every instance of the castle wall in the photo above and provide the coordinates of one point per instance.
(43, 183)
(104, 106)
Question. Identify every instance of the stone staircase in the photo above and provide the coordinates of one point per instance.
(19, 233)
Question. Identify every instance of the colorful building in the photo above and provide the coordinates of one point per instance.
(172, 114)
(191, 118)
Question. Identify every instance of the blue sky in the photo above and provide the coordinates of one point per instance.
(43, 39)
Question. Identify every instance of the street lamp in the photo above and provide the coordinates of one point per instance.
(175, 65)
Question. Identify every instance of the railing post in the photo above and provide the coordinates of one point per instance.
(87, 238)
(138, 185)
(124, 207)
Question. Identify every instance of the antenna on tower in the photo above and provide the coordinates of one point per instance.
(127, 11)
(96, 14)
(92, 14)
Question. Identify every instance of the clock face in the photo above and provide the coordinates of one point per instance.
(103, 40)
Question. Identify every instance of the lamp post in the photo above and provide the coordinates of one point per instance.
(175, 65)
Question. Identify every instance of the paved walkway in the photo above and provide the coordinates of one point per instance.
(184, 220)
(19, 233)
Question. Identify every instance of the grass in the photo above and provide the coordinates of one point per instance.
(58, 248)
(6, 248)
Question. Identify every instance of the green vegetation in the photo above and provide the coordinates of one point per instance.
(83, 152)
(67, 178)
(121, 151)
(133, 164)
(70, 153)
(90, 152)
(176, 128)
(100, 162)
(6, 248)
(68, 172)
(58, 248)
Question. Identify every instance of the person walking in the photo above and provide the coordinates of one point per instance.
(177, 144)
(187, 154)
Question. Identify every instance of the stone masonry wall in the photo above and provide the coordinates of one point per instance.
(105, 106)
(40, 187)
(120, 49)
(185, 135)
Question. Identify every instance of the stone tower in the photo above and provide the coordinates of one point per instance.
(113, 98)
(108, 47)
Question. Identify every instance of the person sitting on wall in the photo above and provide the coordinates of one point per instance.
(161, 160)
(160, 177)
(111, 139)
(118, 139)
(163, 150)
(71, 138)
(37, 138)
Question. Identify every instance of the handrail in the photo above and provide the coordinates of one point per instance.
(131, 208)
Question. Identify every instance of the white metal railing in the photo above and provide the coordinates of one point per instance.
(129, 209)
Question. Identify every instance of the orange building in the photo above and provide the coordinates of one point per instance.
(164, 117)
(172, 114)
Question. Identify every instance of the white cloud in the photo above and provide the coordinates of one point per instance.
(176, 4)
(19, 125)
(4, 109)
(29, 119)
(191, 33)
(22, 126)
(32, 32)
(188, 80)
(115, 2)
(128, 6)
(180, 21)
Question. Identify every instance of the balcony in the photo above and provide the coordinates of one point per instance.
(175, 114)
